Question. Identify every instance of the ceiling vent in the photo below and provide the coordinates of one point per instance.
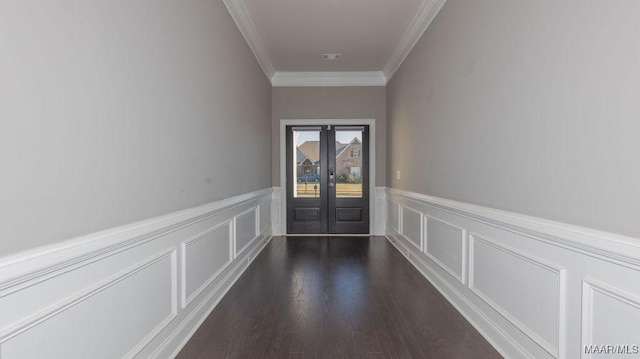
(331, 56)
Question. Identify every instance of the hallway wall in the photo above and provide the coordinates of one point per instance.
(529, 107)
(329, 103)
(119, 111)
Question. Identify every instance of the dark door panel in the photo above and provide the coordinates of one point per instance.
(348, 160)
(306, 180)
(327, 179)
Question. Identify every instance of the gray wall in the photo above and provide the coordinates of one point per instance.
(118, 111)
(527, 106)
(329, 103)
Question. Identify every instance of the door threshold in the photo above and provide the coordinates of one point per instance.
(327, 235)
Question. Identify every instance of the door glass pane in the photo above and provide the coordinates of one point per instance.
(349, 163)
(306, 161)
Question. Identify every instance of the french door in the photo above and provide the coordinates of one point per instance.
(327, 179)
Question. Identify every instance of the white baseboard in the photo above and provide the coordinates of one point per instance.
(525, 283)
(135, 291)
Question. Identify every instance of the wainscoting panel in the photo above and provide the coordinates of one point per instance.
(135, 319)
(445, 245)
(532, 287)
(531, 284)
(276, 215)
(610, 317)
(265, 216)
(204, 257)
(245, 230)
(393, 211)
(134, 291)
(412, 226)
(381, 211)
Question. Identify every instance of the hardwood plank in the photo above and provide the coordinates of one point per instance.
(337, 297)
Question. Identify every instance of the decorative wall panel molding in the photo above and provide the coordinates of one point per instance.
(445, 244)
(411, 227)
(246, 227)
(532, 283)
(380, 210)
(74, 300)
(276, 215)
(54, 332)
(534, 287)
(610, 316)
(265, 216)
(393, 213)
(204, 257)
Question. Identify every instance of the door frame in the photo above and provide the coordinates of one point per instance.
(325, 122)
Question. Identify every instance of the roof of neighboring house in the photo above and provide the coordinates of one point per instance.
(311, 149)
(341, 146)
(341, 150)
(300, 156)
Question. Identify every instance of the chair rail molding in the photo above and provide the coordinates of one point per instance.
(177, 268)
(533, 287)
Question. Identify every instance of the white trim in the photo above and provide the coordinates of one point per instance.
(179, 337)
(462, 277)
(344, 78)
(611, 247)
(324, 122)
(398, 219)
(42, 262)
(276, 212)
(58, 308)
(381, 210)
(538, 262)
(589, 286)
(256, 231)
(186, 300)
(536, 241)
(420, 244)
(425, 15)
(242, 18)
(492, 332)
(573, 254)
(419, 24)
(76, 268)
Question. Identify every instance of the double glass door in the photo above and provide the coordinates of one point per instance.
(327, 179)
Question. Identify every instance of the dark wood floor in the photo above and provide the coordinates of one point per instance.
(317, 297)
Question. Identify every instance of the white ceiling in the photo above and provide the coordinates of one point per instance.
(289, 37)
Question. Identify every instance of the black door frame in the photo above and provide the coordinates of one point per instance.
(280, 205)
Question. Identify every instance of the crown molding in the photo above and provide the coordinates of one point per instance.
(425, 15)
(421, 21)
(344, 78)
(242, 18)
